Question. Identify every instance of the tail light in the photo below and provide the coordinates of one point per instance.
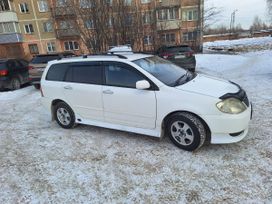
(189, 54)
(30, 67)
(4, 72)
(167, 55)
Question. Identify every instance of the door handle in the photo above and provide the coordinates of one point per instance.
(107, 92)
(68, 87)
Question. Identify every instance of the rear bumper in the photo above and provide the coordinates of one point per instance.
(4, 82)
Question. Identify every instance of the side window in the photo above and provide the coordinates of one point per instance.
(121, 75)
(91, 73)
(57, 72)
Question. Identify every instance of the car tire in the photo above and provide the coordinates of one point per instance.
(15, 84)
(186, 131)
(37, 86)
(64, 115)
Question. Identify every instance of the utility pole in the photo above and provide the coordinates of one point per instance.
(232, 21)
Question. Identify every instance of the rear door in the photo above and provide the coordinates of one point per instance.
(123, 103)
(83, 89)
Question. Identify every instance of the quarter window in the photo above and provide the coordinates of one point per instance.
(57, 72)
(121, 75)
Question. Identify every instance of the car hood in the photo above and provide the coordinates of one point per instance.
(209, 86)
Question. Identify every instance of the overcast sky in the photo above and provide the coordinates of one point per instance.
(247, 10)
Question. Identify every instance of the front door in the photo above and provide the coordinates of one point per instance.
(123, 103)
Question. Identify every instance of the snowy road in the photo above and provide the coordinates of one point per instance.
(42, 163)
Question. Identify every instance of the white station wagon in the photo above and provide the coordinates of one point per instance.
(147, 95)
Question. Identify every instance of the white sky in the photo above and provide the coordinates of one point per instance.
(247, 10)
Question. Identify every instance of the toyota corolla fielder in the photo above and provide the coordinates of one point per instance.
(148, 95)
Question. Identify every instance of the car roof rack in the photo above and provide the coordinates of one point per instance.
(106, 54)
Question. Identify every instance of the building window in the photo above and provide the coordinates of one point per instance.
(71, 45)
(89, 24)
(190, 15)
(7, 28)
(65, 24)
(4, 6)
(85, 4)
(145, 1)
(29, 29)
(148, 40)
(173, 13)
(33, 49)
(51, 47)
(127, 2)
(47, 27)
(147, 18)
(109, 2)
(61, 3)
(23, 7)
(43, 6)
(168, 14)
(168, 38)
(190, 36)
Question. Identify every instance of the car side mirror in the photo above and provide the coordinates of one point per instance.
(143, 84)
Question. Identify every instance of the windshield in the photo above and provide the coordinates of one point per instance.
(165, 71)
(44, 59)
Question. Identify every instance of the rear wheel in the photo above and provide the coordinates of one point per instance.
(64, 115)
(15, 84)
(186, 131)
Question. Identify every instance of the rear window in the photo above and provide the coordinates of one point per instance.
(44, 59)
(179, 49)
(57, 72)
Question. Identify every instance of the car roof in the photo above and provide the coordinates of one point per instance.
(126, 56)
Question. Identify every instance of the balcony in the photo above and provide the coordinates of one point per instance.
(169, 25)
(8, 16)
(64, 12)
(67, 33)
(11, 38)
(168, 3)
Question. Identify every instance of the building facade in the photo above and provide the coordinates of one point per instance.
(83, 26)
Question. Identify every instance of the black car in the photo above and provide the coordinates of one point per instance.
(13, 73)
(181, 55)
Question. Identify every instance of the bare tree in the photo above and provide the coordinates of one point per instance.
(269, 9)
(211, 14)
(257, 24)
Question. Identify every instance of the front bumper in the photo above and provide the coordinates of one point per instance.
(226, 124)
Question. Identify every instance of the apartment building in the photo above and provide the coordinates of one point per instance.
(10, 33)
(29, 27)
(36, 25)
(148, 23)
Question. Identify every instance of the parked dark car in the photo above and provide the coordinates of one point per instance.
(38, 64)
(13, 73)
(181, 55)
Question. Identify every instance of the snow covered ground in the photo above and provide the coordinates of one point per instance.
(43, 163)
(241, 45)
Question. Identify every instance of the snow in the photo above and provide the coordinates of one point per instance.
(241, 45)
(43, 163)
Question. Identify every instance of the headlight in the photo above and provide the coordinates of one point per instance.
(231, 105)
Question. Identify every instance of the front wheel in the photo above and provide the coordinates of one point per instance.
(186, 131)
(64, 115)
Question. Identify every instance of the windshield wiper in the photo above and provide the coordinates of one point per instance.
(178, 81)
